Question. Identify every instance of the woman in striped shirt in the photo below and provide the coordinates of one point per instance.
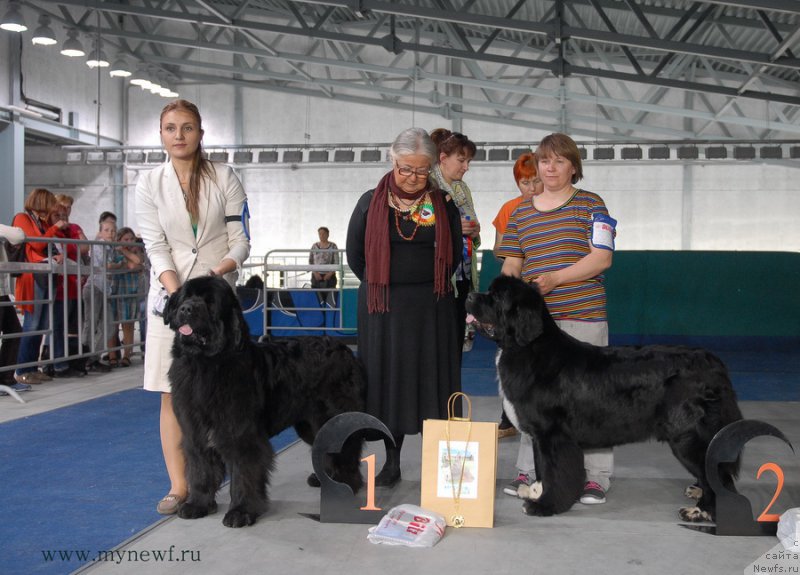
(562, 241)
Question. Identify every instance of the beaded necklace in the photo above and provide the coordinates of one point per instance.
(407, 215)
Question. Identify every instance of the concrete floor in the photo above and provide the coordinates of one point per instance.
(636, 531)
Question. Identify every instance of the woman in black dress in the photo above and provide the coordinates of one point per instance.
(403, 243)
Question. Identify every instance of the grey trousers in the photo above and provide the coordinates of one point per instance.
(599, 463)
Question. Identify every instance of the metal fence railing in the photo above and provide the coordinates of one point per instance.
(62, 279)
(292, 307)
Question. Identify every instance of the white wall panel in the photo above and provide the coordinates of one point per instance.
(727, 205)
(68, 83)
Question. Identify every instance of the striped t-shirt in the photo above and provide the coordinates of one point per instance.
(552, 240)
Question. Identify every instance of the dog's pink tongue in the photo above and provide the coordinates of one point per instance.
(185, 329)
(470, 318)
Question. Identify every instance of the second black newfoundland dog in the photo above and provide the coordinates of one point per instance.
(231, 395)
(569, 395)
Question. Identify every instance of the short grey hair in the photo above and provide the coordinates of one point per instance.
(413, 141)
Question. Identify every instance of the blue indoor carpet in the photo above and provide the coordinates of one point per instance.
(80, 480)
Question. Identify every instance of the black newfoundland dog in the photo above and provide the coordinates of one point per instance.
(569, 395)
(231, 395)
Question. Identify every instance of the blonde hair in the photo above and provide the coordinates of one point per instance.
(65, 200)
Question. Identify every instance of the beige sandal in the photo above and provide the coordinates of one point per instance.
(169, 504)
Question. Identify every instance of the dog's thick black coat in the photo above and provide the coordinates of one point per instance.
(570, 395)
(230, 395)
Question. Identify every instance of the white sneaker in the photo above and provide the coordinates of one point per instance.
(513, 487)
(593, 494)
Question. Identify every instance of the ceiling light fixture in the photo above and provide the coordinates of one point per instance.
(120, 68)
(97, 58)
(155, 85)
(73, 47)
(12, 19)
(44, 35)
(140, 77)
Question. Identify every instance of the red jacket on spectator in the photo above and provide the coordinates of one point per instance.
(35, 252)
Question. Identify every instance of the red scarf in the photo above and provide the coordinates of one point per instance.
(378, 251)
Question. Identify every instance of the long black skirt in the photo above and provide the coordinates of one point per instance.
(412, 354)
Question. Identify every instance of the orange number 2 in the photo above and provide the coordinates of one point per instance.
(775, 468)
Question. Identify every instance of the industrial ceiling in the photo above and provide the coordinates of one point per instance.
(609, 70)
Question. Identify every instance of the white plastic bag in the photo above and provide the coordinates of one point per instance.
(408, 525)
(789, 530)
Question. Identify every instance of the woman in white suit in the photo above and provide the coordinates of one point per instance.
(192, 215)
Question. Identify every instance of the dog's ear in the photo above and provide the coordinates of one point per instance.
(238, 326)
(528, 325)
(527, 313)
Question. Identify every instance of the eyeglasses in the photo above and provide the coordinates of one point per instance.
(407, 172)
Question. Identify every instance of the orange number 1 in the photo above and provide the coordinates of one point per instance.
(370, 506)
(767, 517)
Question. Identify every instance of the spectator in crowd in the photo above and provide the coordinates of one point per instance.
(455, 152)
(124, 291)
(144, 288)
(66, 292)
(528, 185)
(32, 293)
(324, 252)
(403, 243)
(9, 322)
(184, 241)
(73, 231)
(97, 326)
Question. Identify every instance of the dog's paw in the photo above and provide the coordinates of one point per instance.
(531, 507)
(532, 491)
(695, 515)
(189, 510)
(693, 491)
(239, 518)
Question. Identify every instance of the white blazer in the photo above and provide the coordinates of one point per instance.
(166, 227)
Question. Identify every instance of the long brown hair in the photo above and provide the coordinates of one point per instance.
(200, 166)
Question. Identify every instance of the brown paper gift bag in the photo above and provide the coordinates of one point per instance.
(459, 467)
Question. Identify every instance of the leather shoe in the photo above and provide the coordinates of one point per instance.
(169, 504)
(29, 377)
